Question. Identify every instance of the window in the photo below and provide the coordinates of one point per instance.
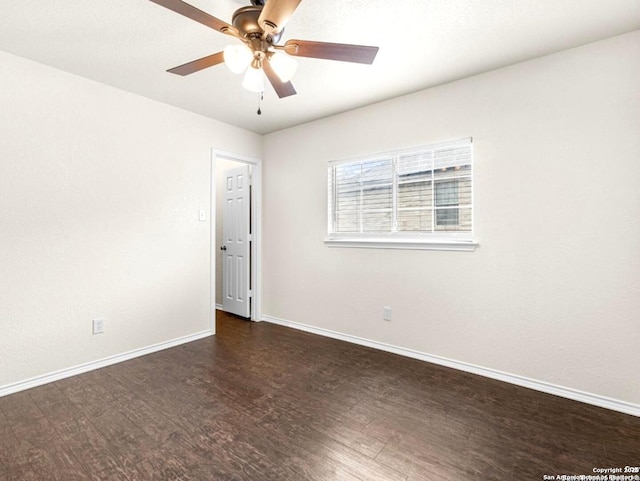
(447, 196)
(415, 197)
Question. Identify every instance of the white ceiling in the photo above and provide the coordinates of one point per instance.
(130, 43)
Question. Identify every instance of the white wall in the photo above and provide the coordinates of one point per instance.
(553, 291)
(99, 197)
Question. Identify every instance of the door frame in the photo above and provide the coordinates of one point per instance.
(256, 231)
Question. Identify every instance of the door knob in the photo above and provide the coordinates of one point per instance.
(223, 248)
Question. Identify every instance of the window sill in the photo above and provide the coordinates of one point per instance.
(433, 245)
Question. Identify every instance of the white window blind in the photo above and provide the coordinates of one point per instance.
(419, 193)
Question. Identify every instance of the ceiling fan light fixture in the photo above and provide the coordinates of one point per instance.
(284, 66)
(237, 57)
(253, 79)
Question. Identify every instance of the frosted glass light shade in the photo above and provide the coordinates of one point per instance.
(283, 65)
(253, 79)
(237, 57)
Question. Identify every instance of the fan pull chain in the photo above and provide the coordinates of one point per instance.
(260, 99)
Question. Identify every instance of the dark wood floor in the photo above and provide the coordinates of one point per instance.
(262, 402)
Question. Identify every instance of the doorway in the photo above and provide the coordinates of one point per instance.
(224, 162)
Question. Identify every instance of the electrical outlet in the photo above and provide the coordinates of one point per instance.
(98, 326)
(202, 215)
(386, 313)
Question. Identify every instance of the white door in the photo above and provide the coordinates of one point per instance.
(236, 242)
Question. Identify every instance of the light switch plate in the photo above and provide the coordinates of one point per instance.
(98, 326)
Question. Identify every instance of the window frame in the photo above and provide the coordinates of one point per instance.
(451, 240)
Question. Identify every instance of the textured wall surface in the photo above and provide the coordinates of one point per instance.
(99, 198)
(552, 291)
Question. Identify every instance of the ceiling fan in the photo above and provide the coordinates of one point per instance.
(259, 27)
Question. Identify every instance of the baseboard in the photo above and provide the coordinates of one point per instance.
(90, 366)
(220, 307)
(565, 392)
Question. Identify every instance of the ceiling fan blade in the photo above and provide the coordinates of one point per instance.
(331, 51)
(199, 64)
(193, 13)
(275, 14)
(283, 89)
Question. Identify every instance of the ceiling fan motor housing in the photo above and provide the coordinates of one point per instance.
(245, 19)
